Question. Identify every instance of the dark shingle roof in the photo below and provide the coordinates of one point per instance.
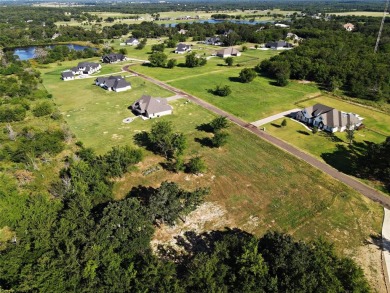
(67, 74)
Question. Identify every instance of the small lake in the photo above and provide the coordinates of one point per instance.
(27, 53)
(237, 21)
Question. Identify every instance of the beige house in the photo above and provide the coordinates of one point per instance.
(151, 107)
(228, 52)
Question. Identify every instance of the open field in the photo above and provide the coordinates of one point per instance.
(361, 13)
(249, 101)
(203, 15)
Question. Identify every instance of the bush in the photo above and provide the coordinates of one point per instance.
(220, 139)
(171, 63)
(247, 75)
(229, 61)
(219, 123)
(43, 109)
(9, 113)
(221, 91)
(196, 165)
(315, 129)
(284, 123)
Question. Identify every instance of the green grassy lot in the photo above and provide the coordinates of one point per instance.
(249, 101)
(172, 14)
(335, 152)
(361, 13)
(96, 115)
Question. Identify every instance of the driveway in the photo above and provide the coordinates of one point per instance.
(273, 117)
(367, 191)
(386, 243)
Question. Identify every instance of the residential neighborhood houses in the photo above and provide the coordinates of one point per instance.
(182, 48)
(327, 118)
(113, 83)
(83, 68)
(113, 58)
(149, 107)
(228, 52)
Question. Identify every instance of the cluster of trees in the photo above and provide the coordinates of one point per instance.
(337, 60)
(163, 141)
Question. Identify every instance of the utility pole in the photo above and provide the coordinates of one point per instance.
(381, 27)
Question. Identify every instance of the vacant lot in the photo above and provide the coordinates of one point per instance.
(361, 13)
(249, 101)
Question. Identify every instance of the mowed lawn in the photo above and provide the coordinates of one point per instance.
(249, 101)
(94, 114)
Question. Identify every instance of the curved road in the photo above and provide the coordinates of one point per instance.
(367, 191)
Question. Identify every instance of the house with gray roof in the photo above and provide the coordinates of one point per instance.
(228, 52)
(182, 48)
(279, 45)
(67, 75)
(328, 119)
(216, 41)
(151, 107)
(113, 58)
(113, 83)
(88, 67)
(132, 42)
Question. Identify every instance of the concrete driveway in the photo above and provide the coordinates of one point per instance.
(273, 117)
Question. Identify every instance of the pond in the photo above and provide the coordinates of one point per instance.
(222, 20)
(27, 53)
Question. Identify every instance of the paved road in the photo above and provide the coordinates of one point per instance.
(367, 191)
(273, 117)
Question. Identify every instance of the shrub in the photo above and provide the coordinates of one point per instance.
(229, 61)
(171, 63)
(221, 91)
(247, 75)
(220, 139)
(196, 165)
(9, 113)
(219, 123)
(43, 109)
(284, 123)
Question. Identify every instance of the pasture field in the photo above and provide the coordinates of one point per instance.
(249, 101)
(361, 13)
(203, 15)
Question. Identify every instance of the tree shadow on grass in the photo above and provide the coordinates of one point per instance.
(303, 132)
(276, 125)
(181, 65)
(204, 141)
(206, 127)
(235, 79)
(345, 158)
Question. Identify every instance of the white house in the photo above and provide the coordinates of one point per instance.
(327, 118)
(67, 75)
(151, 107)
(132, 42)
(182, 48)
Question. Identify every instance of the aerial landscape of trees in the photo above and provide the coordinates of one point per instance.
(63, 225)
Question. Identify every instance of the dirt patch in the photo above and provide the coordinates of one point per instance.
(369, 258)
(208, 216)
